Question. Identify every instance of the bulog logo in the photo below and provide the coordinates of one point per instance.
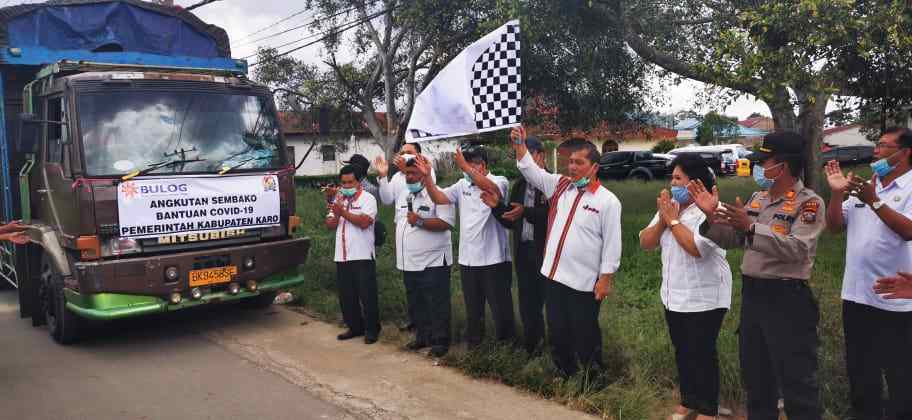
(130, 190)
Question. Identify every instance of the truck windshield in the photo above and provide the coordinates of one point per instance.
(124, 131)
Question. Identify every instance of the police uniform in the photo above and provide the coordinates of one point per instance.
(779, 314)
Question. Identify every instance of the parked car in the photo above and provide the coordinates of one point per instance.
(642, 165)
(849, 155)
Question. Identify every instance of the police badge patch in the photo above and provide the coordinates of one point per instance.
(809, 211)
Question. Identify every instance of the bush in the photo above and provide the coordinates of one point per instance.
(664, 146)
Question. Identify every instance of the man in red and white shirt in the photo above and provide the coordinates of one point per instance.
(582, 251)
(352, 216)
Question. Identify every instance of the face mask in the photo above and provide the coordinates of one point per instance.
(582, 182)
(467, 177)
(415, 188)
(883, 167)
(680, 194)
(348, 192)
(760, 176)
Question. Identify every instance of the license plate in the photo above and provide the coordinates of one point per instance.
(212, 275)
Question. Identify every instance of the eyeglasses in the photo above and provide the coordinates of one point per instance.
(885, 146)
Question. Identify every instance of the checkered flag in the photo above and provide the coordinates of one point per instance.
(495, 83)
(477, 91)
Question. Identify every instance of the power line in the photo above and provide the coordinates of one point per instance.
(331, 32)
(272, 25)
(340, 29)
(293, 28)
(200, 4)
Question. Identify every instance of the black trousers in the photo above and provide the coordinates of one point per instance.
(778, 346)
(357, 285)
(694, 336)
(410, 296)
(491, 284)
(531, 285)
(573, 328)
(432, 304)
(878, 343)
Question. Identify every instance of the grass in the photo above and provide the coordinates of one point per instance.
(639, 379)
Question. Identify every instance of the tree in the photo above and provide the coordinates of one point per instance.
(714, 128)
(791, 54)
(568, 64)
(664, 146)
(398, 46)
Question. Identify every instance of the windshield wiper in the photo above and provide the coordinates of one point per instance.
(159, 165)
(226, 169)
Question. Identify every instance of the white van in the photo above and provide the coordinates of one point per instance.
(728, 153)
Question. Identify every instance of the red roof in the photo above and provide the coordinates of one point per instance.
(307, 123)
(757, 121)
(840, 129)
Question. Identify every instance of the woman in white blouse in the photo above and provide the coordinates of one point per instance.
(696, 288)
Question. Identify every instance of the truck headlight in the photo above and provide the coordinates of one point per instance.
(120, 246)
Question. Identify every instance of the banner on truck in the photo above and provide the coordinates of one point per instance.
(150, 208)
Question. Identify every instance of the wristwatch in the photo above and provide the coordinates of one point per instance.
(674, 223)
(419, 222)
(877, 205)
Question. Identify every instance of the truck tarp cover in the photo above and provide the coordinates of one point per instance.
(111, 26)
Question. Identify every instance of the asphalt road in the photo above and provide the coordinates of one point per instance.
(161, 367)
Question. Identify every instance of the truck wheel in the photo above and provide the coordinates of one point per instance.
(261, 301)
(63, 325)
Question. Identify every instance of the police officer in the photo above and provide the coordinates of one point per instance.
(778, 230)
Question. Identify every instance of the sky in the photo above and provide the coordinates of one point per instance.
(241, 18)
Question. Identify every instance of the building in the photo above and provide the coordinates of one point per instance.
(341, 138)
(846, 135)
(747, 132)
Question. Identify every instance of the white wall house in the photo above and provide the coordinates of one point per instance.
(847, 135)
(328, 154)
(345, 138)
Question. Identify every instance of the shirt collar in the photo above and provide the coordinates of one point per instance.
(901, 181)
(593, 185)
(790, 194)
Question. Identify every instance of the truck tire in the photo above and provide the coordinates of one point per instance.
(261, 301)
(63, 325)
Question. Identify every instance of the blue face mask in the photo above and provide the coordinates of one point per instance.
(467, 177)
(348, 192)
(680, 194)
(760, 177)
(883, 167)
(415, 188)
(582, 182)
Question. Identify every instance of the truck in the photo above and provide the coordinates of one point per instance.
(150, 172)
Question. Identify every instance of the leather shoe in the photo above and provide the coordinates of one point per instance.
(407, 326)
(348, 335)
(370, 339)
(416, 345)
(439, 351)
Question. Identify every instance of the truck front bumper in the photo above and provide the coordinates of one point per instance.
(136, 286)
(110, 306)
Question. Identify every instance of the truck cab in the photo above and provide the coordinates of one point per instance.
(149, 187)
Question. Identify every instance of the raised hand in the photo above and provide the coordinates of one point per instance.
(518, 138)
(382, 166)
(668, 208)
(489, 199)
(864, 189)
(461, 161)
(422, 164)
(734, 215)
(706, 201)
(838, 182)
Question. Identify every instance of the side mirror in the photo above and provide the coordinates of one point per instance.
(29, 133)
